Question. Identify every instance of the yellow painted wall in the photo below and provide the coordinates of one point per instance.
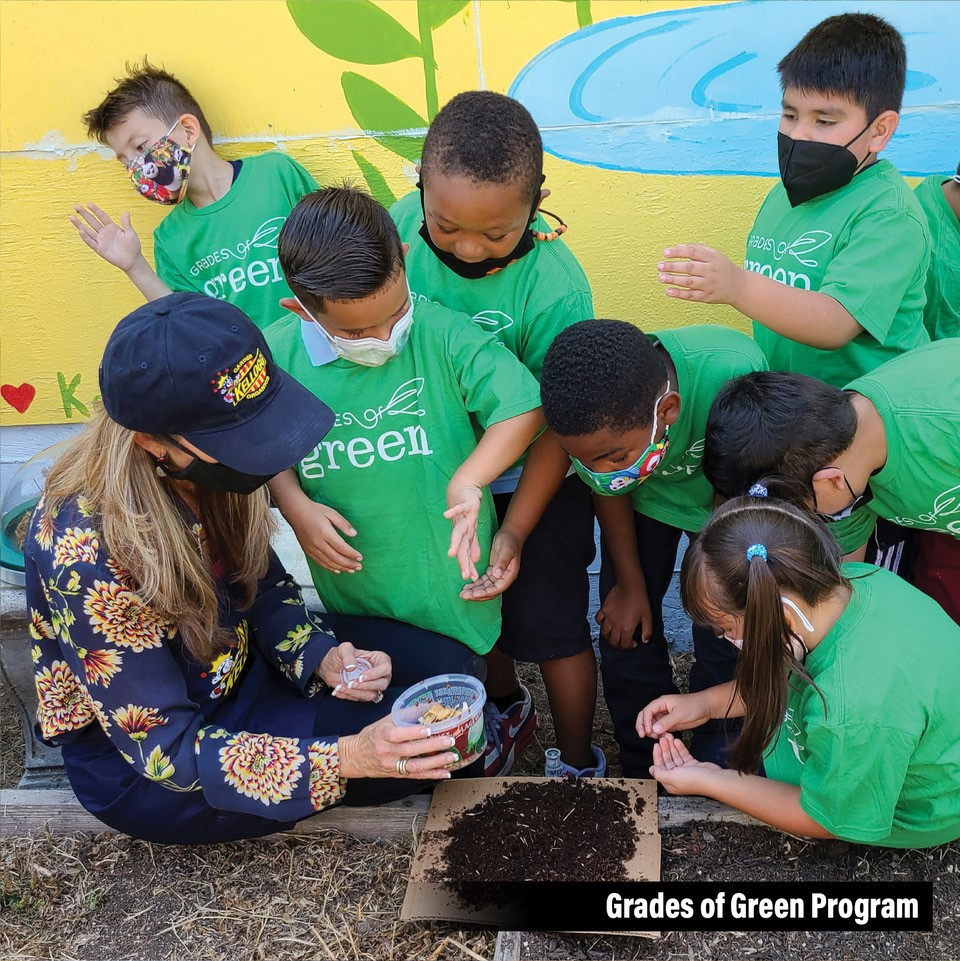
(263, 85)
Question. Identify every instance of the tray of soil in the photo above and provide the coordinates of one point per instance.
(482, 832)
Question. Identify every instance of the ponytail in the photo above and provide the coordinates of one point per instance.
(752, 551)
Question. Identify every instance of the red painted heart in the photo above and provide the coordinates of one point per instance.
(19, 398)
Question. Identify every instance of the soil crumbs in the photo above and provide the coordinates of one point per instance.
(559, 831)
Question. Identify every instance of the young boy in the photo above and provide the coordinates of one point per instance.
(836, 261)
(630, 412)
(939, 198)
(221, 237)
(429, 411)
(887, 446)
(479, 245)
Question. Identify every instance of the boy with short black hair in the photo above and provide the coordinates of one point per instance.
(429, 411)
(836, 261)
(479, 244)
(221, 237)
(629, 410)
(887, 446)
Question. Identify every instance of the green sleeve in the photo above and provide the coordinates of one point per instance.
(167, 270)
(540, 330)
(853, 531)
(853, 777)
(885, 255)
(494, 384)
(303, 182)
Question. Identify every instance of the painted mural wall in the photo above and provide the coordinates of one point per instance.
(659, 119)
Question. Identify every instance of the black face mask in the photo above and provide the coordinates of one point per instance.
(857, 503)
(810, 169)
(217, 477)
(481, 268)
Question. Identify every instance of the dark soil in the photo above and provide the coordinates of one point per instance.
(558, 831)
(728, 852)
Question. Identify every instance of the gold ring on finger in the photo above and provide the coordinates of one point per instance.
(402, 767)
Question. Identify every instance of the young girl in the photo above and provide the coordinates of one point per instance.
(840, 684)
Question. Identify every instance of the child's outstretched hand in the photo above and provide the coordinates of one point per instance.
(463, 510)
(699, 273)
(622, 612)
(117, 245)
(316, 527)
(502, 570)
(676, 768)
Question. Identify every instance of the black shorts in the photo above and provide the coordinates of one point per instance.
(545, 609)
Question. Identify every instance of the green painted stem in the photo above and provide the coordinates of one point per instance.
(584, 13)
(429, 63)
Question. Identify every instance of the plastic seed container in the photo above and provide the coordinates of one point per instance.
(361, 666)
(451, 691)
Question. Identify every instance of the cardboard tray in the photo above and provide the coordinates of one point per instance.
(427, 900)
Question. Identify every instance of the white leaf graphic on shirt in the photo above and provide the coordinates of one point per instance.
(265, 235)
(805, 244)
(403, 401)
(946, 504)
(493, 321)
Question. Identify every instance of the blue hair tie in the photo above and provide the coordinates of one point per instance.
(758, 490)
(756, 550)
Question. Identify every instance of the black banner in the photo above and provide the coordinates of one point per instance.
(704, 906)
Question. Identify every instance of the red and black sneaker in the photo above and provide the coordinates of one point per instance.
(508, 733)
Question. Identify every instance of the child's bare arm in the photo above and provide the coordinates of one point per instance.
(543, 473)
(118, 245)
(627, 606)
(315, 525)
(501, 445)
(704, 275)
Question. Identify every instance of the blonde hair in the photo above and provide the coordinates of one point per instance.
(148, 534)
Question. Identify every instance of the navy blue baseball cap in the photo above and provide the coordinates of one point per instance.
(195, 366)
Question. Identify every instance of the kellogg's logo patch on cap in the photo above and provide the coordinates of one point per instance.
(248, 378)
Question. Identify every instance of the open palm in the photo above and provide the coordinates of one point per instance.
(116, 244)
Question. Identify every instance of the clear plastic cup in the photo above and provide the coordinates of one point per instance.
(361, 666)
(460, 692)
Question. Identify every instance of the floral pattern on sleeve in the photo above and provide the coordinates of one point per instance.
(103, 656)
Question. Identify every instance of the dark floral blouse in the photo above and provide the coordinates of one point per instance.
(103, 656)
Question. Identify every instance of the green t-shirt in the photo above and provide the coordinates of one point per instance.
(228, 249)
(883, 766)
(401, 432)
(705, 357)
(867, 246)
(942, 312)
(524, 305)
(918, 398)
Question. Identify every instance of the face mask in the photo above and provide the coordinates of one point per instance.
(370, 351)
(855, 504)
(491, 265)
(810, 169)
(737, 642)
(217, 477)
(620, 481)
(160, 173)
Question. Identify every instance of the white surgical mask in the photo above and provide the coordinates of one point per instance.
(737, 642)
(370, 351)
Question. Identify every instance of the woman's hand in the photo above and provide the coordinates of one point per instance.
(463, 502)
(677, 770)
(379, 747)
(622, 611)
(368, 686)
(316, 527)
(674, 712)
(502, 570)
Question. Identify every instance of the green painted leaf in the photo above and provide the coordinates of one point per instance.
(440, 11)
(355, 30)
(378, 111)
(375, 181)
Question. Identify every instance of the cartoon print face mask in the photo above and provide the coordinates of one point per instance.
(160, 172)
